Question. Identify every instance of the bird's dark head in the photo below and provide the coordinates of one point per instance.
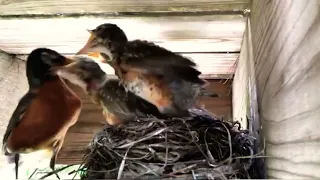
(39, 63)
(103, 39)
(83, 72)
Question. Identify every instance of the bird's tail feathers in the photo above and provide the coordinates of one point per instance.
(187, 73)
(205, 93)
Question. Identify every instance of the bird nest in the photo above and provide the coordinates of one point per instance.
(198, 147)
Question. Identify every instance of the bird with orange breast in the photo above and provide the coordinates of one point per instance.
(118, 106)
(165, 79)
(45, 113)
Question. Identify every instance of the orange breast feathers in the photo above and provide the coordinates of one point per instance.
(149, 88)
(48, 117)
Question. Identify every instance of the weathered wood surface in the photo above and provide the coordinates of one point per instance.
(21, 7)
(240, 94)
(211, 33)
(286, 49)
(244, 100)
(13, 83)
(91, 121)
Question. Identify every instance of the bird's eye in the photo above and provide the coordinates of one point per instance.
(94, 42)
(99, 40)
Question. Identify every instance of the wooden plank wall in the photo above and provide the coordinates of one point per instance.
(213, 41)
(286, 54)
(222, 33)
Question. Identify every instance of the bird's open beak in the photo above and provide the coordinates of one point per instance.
(71, 73)
(68, 61)
(61, 71)
(86, 48)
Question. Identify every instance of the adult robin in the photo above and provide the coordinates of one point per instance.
(45, 113)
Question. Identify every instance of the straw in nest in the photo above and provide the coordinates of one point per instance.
(190, 148)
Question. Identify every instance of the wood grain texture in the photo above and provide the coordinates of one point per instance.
(91, 121)
(210, 33)
(244, 97)
(245, 102)
(14, 7)
(286, 49)
(240, 94)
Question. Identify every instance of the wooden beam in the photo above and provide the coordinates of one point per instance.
(245, 103)
(211, 33)
(240, 95)
(286, 51)
(21, 7)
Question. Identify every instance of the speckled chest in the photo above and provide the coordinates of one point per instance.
(137, 86)
(146, 87)
(112, 94)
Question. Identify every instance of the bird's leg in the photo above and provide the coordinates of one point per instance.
(119, 72)
(120, 75)
(56, 149)
(16, 162)
(53, 162)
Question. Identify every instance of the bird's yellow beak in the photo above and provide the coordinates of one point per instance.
(72, 73)
(85, 49)
(68, 61)
(70, 68)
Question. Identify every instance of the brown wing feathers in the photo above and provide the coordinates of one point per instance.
(154, 54)
(16, 117)
(153, 59)
(124, 104)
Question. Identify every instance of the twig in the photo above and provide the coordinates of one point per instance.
(56, 171)
(123, 162)
(153, 147)
(33, 173)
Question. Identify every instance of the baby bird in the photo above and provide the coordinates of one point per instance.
(165, 79)
(119, 106)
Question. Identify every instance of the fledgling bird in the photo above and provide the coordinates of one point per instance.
(167, 80)
(45, 113)
(118, 106)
